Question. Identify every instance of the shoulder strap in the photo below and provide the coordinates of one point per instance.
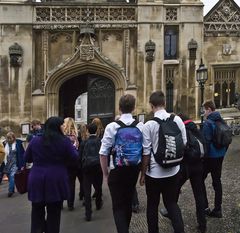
(122, 125)
(172, 117)
(159, 121)
(134, 123)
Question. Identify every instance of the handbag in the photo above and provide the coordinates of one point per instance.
(21, 180)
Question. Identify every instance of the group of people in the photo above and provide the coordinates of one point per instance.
(166, 179)
(60, 153)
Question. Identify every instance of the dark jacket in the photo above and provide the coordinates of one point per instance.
(48, 179)
(208, 133)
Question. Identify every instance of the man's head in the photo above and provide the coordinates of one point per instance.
(36, 124)
(92, 128)
(10, 137)
(157, 99)
(127, 103)
(209, 106)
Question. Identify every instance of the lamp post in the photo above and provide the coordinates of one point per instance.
(202, 76)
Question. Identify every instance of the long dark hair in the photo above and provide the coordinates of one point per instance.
(52, 130)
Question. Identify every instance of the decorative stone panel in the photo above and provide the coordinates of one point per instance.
(171, 14)
(223, 20)
(83, 14)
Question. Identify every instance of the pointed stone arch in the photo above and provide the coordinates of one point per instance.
(57, 78)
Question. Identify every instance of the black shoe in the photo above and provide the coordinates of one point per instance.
(99, 206)
(10, 194)
(215, 213)
(70, 208)
(202, 229)
(207, 211)
(88, 218)
(164, 213)
(135, 208)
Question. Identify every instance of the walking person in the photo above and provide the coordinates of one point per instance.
(157, 179)
(192, 169)
(48, 182)
(36, 130)
(214, 159)
(14, 159)
(2, 158)
(70, 130)
(91, 169)
(82, 136)
(125, 138)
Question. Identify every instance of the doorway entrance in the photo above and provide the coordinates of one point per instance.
(100, 92)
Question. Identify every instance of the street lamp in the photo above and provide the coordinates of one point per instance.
(202, 76)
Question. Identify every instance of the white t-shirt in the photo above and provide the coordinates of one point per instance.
(150, 141)
(108, 139)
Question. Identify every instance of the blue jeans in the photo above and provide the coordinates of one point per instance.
(11, 181)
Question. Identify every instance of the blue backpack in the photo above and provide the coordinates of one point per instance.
(128, 145)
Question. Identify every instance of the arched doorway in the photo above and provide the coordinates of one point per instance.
(100, 97)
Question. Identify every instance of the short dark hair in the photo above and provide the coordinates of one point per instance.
(157, 98)
(127, 103)
(92, 128)
(209, 104)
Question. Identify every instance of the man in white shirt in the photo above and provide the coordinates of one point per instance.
(124, 170)
(159, 180)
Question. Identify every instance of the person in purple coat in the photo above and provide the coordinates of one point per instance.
(48, 179)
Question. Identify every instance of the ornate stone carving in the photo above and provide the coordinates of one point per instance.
(171, 14)
(227, 49)
(16, 53)
(84, 14)
(223, 19)
(118, 35)
(150, 50)
(54, 37)
(192, 47)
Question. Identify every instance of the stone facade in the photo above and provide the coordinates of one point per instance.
(126, 43)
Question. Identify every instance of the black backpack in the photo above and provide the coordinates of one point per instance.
(195, 147)
(90, 155)
(222, 136)
(170, 149)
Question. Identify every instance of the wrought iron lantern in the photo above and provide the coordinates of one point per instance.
(202, 76)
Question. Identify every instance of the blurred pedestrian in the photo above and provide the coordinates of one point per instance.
(2, 164)
(92, 173)
(70, 130)
(36, 130)
(48, 182)
(14, 159)
(100, 128)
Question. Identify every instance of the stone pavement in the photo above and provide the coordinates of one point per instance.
(15, 211)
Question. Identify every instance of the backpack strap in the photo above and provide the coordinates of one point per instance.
(122, 125)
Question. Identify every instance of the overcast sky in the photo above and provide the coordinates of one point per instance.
(208, 4)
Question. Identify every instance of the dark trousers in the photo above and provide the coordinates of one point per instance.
(92, 176)
(214, 166)
(122, 182)
(80, 179)
(72, 174)
(194, 172)
(168, 188)
(50, 224)
(135, 201)
(1, 171)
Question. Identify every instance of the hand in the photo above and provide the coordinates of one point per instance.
(142, 180)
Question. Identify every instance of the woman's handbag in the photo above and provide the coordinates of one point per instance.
(21, 180)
